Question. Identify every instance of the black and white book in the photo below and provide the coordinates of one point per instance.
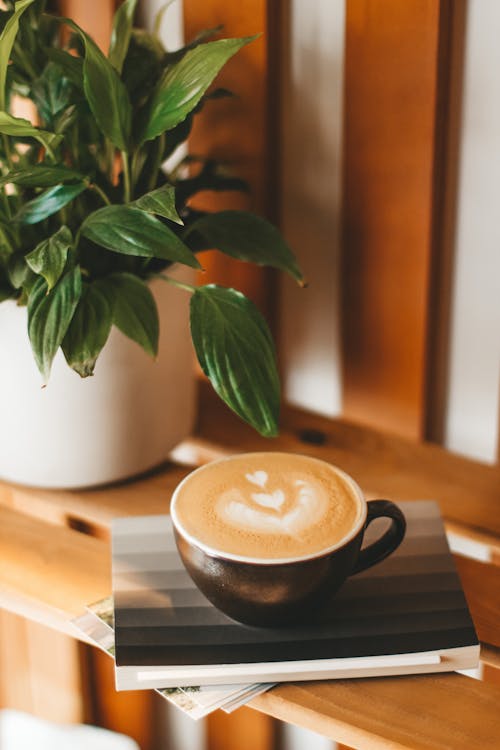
(406, 615)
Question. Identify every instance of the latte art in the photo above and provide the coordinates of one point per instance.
(273, 512)
(268, 505)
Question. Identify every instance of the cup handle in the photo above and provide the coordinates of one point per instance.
(389, 541)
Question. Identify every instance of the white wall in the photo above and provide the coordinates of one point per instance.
(473, 396)
(312, 147)
(172, 26)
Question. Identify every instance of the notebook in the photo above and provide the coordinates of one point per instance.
(196, 701)
(406, 615)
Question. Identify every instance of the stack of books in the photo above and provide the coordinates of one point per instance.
(406, 615)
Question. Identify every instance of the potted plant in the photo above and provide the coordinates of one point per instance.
(97, 250)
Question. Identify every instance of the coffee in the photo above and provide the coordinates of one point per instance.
(269, 506)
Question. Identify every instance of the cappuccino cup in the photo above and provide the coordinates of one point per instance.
(267, 536)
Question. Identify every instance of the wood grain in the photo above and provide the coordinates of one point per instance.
(129, 713)
(40, 671)
(418, 713)
(96, 507)
(481, 583)
(61, 567)
(447, 131)
(254, 731)
(236, 131)
(391, 83)
(96, 18)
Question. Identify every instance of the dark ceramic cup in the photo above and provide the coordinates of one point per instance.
(269, 592)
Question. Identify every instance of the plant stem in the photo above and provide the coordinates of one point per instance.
(6, 238)
(50, 152)
(180, 284)
(100, 192)
(5, 203)
(160, 147)
(77, 239)
(126, 178)
(8, 154)
(134, 168)
(26, 62)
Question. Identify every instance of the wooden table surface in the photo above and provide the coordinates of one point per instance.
(54, 559)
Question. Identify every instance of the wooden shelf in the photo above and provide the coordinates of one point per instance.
(54, 559)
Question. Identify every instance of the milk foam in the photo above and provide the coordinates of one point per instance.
(262, 512)
(268, 505)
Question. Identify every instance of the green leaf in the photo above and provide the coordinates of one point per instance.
(41, 176)
(120, 34)
(48, 203)
(160, 202)
(105, 92)
(244, 236)
(130, 231)
(52, 93)
(19, 126)
(49, 315)
(7, 39)
(184, 83)
(49, 256)
(66, 119)
(17, 270)
(89, 329)
(134, 309)
(71, 65)
(236, 352)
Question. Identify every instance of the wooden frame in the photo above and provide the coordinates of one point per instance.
(398, 209)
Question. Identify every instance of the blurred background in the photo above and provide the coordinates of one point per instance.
(369, 130)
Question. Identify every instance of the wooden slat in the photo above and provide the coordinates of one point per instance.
(97, 506)
(129, 713)
(40, 671)
(490, 657)
(391, 85)
(236, 131)
(444, 205)
(481, 546)
(96, 18)
(254, 731)
(62, 568)
(481, 583)
(419, 713)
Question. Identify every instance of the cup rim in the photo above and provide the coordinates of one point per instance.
(214, 552)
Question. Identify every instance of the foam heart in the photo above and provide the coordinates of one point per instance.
(258, 477)
(307, 508)
(268, 500)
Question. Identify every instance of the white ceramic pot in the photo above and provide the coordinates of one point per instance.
(120, 422)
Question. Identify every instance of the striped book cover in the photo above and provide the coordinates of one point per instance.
(406, 615)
